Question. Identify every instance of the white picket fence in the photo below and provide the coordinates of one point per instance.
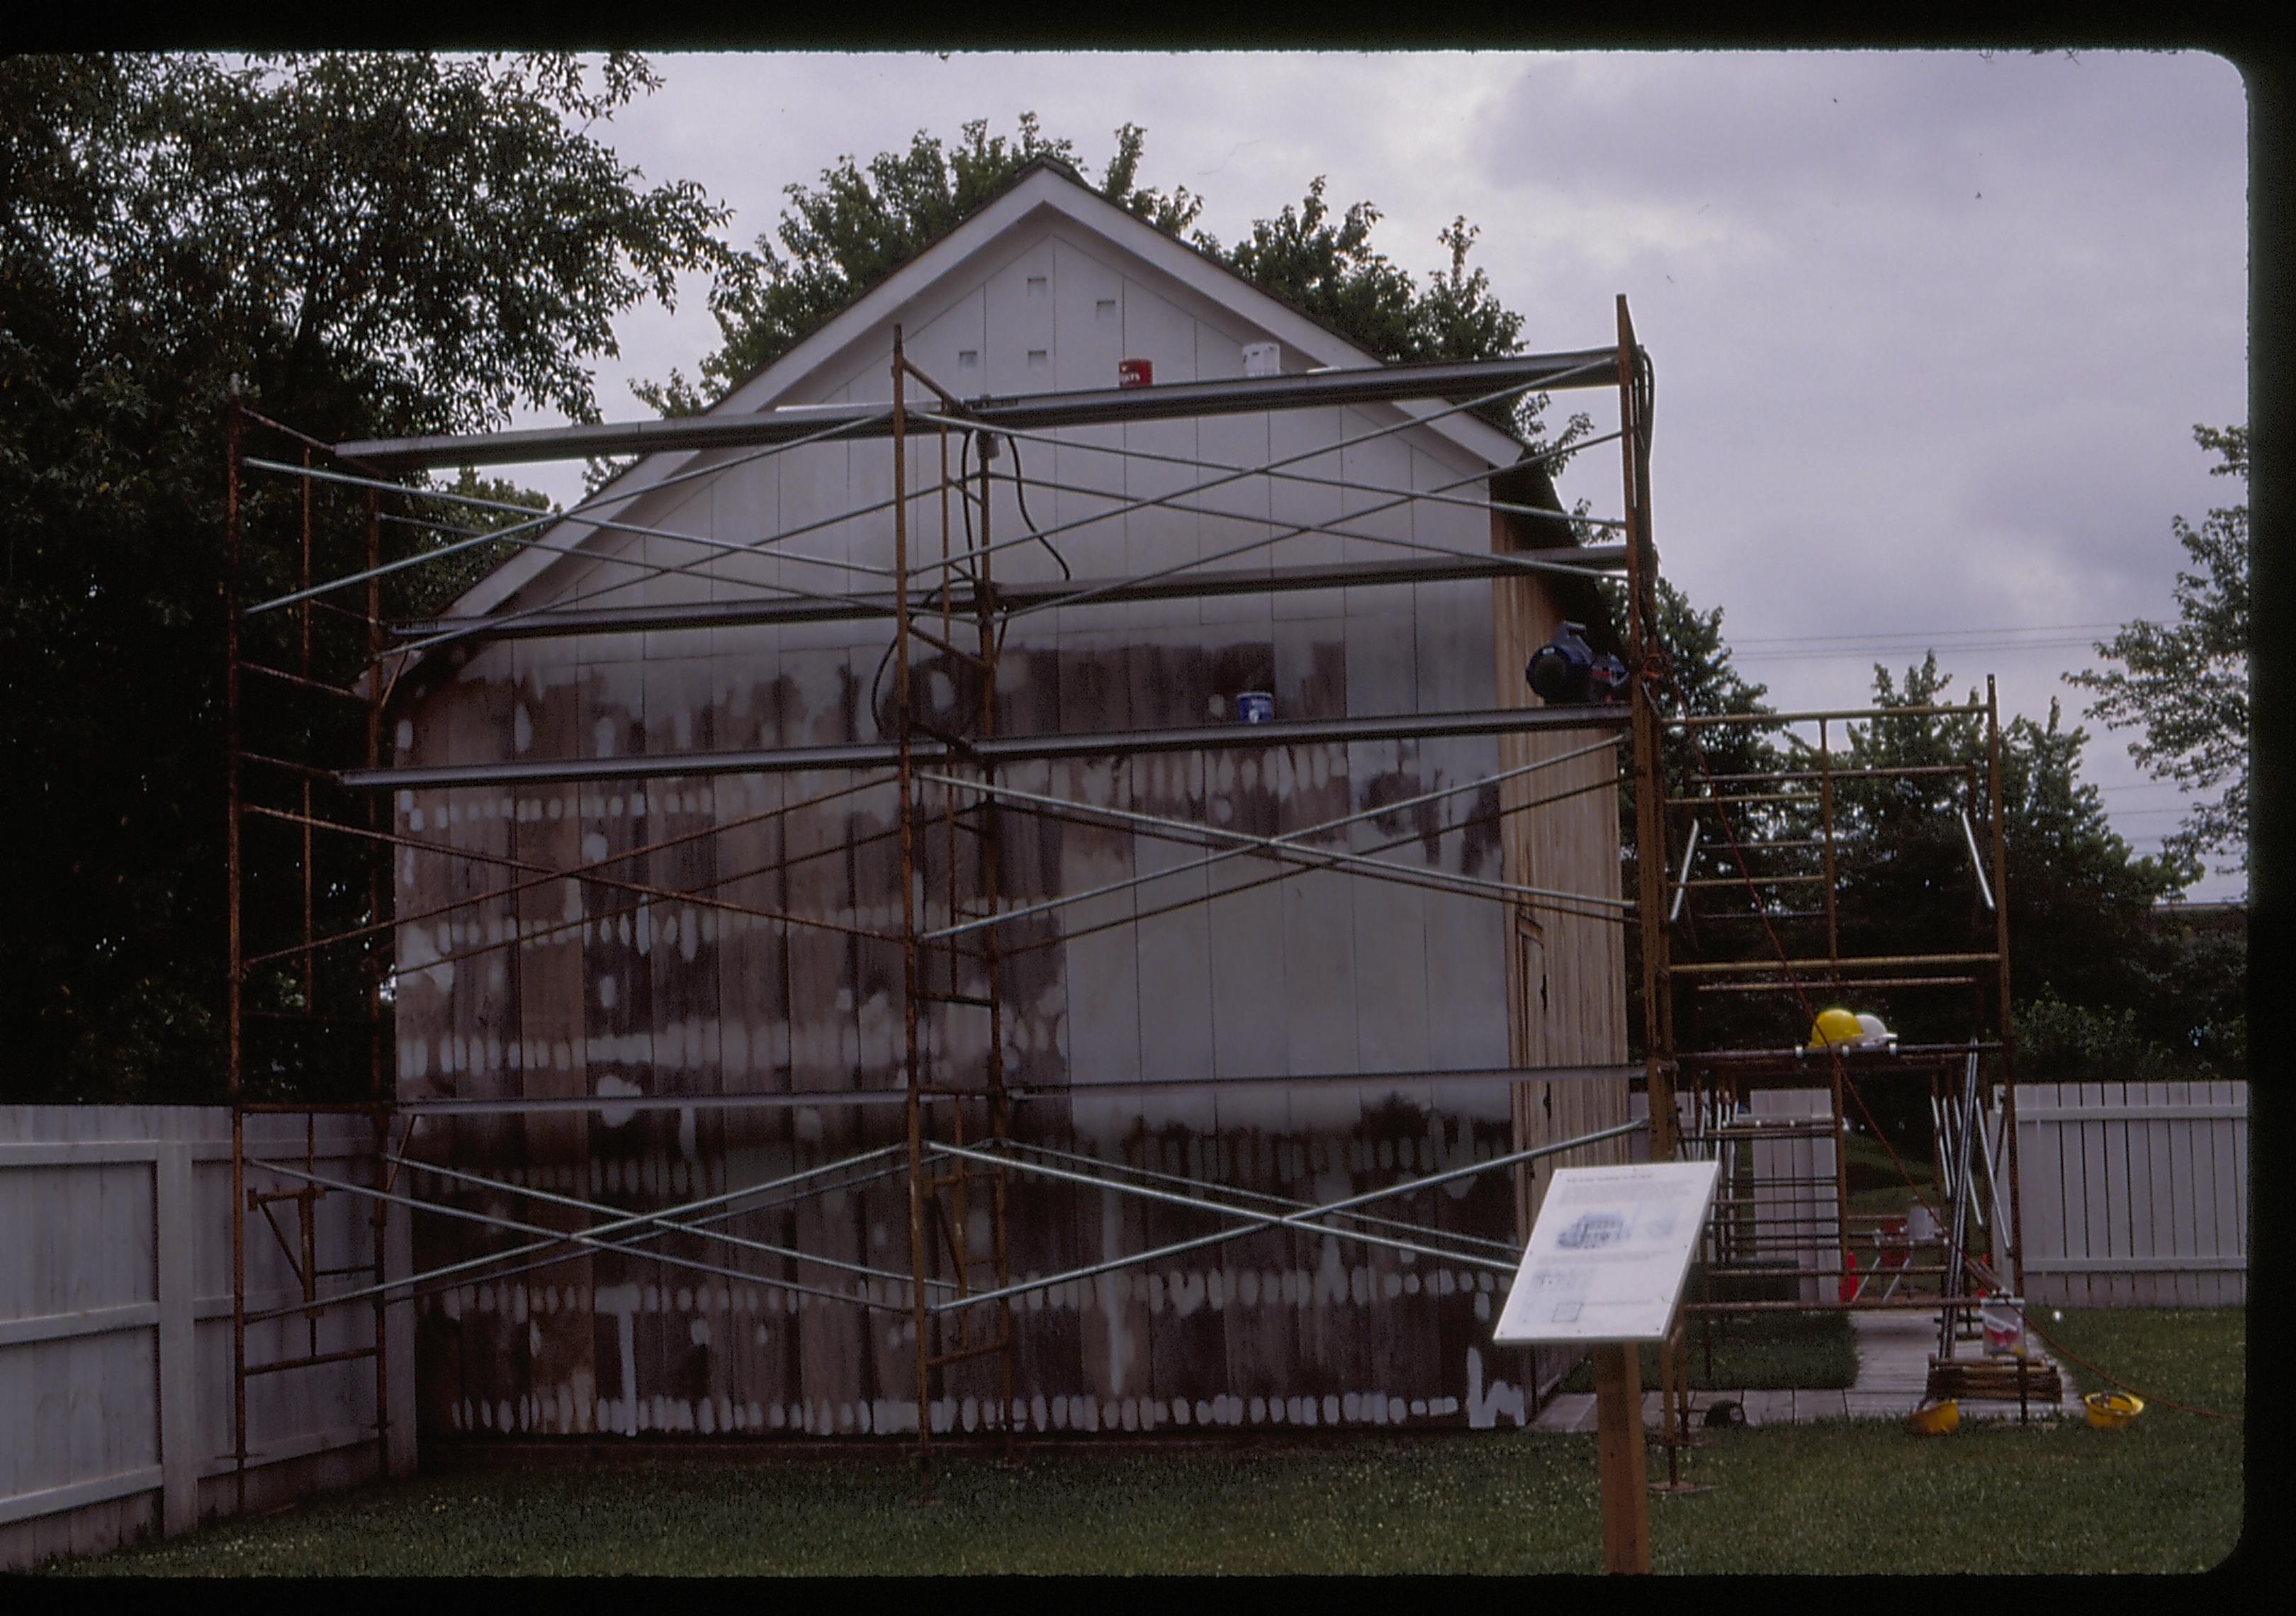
(1789, 1174)
(2135, 1195)
(1794, 1208)
(115, 1328)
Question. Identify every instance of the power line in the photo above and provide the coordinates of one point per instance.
(1907, 645)
(1915, 642)
(1908, 634)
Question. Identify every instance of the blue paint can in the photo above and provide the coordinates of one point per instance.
(1255, 707)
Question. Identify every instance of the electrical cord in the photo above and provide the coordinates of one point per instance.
(1645, 395)
(1020, 495)
(969, 568)
(1021, 492)
(964, 504)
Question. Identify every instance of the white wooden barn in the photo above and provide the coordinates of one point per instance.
(1210, 973)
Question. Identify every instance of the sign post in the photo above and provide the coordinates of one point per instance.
(1619, 1435)
(1605, 1268)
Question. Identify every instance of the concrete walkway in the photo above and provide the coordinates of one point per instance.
(1893, 1354)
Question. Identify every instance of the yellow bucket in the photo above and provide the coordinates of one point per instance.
(1936, 1419)
(2113, 1410)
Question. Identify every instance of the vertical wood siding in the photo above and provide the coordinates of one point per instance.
(1566, 970)
(1200, 972)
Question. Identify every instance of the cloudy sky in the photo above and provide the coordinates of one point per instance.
(1930, 331)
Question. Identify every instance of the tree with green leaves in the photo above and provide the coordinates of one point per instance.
(2186, 683)
(833, 243)
(1702, 680)
(373, 245)
(1699, 680)
(2079, 899)
(2091, 974)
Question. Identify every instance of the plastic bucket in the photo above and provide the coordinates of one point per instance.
(2004, 1322)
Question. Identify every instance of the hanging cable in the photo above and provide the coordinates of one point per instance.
(2150, 1396)
(967, 567)
(1021, 492)
(1645, 394)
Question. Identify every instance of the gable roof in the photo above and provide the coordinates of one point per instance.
(1068, 171)
(1045, 185)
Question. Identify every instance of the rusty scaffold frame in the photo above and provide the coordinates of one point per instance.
(1801, 1222)
(945, 773)
(301, 1005)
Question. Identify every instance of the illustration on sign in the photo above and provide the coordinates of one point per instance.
(1609, 1254)
(1593, 1229)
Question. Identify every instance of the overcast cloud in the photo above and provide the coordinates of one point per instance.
(1930, 330)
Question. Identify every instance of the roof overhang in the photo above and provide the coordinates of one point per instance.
(1024, 412)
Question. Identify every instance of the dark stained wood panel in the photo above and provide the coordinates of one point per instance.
(1314, 972)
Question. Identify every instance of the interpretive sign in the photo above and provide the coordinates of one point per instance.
(1609, 1254)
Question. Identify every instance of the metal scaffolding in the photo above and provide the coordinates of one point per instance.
(1785, 1205)
(312, 934)
(272, 1017)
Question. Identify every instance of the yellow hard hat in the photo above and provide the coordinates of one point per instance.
(1936, 1419)
(1835, 1026)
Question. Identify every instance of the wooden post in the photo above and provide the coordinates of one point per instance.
(1619, 1428)
(1674, 1397)
(1678, 1347)
(1669, 1434)
(176, 1220)
(912, 1047)
(2007, 1030)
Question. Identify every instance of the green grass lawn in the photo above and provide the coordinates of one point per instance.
(1874, 1181)
(2164, 1496)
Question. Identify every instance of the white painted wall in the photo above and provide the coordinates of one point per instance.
(1320, 974)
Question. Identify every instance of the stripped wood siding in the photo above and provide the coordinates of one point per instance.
(1275, 1317)
(1566, 972)
(1203, 972)
(552, 1046)
(2135, 1195)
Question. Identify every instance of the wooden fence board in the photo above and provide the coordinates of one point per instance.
(2160, 1290)
(115, 1385)
(2135, 1193)
(2096, 1205)
(2230, 1158)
